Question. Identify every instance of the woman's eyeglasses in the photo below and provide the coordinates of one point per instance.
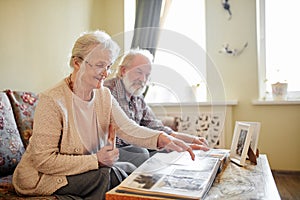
(100, 67)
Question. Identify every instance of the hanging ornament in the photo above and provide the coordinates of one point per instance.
(226, 7)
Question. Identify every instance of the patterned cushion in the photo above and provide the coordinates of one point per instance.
(11, 146)
(23, 104)
(6, 184)
(7, 191)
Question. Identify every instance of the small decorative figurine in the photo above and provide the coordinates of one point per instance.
(232, 52)
(226, 7)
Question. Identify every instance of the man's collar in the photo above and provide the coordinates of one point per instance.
(122, 94)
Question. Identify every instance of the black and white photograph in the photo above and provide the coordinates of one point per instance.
(240, 143)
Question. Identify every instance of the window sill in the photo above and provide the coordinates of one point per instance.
(203, 103)
(275, 102)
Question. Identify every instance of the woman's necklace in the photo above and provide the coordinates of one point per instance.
(69, 82)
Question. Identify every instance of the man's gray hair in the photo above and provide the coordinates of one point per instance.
(128, 57)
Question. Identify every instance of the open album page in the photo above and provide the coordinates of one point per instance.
(174, 175)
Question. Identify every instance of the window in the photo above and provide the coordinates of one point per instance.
(278, 46)
(172, 63)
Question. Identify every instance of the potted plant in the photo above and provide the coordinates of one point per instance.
(279, 91)
(279, 87)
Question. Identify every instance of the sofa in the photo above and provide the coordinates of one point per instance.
(16, 122)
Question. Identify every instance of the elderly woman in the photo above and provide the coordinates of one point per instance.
(71, 151)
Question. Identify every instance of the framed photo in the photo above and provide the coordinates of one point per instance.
(255, 130)
(240, 143)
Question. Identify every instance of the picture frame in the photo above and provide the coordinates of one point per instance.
(255, 130)
(240, 143)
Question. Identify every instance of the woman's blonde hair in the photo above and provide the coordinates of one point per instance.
(89, 40)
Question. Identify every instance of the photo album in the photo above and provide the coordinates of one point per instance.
(175, 175)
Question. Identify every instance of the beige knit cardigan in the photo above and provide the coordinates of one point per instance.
(55, 149)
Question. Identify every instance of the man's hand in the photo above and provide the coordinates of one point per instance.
(170, 143)
(199, 147)
(190, 138)
(201, 141)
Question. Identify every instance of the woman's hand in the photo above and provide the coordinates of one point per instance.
(170, 143)
(107, 156)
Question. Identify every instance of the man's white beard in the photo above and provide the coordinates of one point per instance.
(131, 86)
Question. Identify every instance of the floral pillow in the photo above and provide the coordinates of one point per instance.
(23, 104)
(11, 146)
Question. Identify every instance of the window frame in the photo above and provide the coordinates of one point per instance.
(200, 94)
(264, 94)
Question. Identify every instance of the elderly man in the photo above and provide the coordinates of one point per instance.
(127, 87)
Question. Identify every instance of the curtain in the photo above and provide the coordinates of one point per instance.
(147, 21)
(149, 17)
